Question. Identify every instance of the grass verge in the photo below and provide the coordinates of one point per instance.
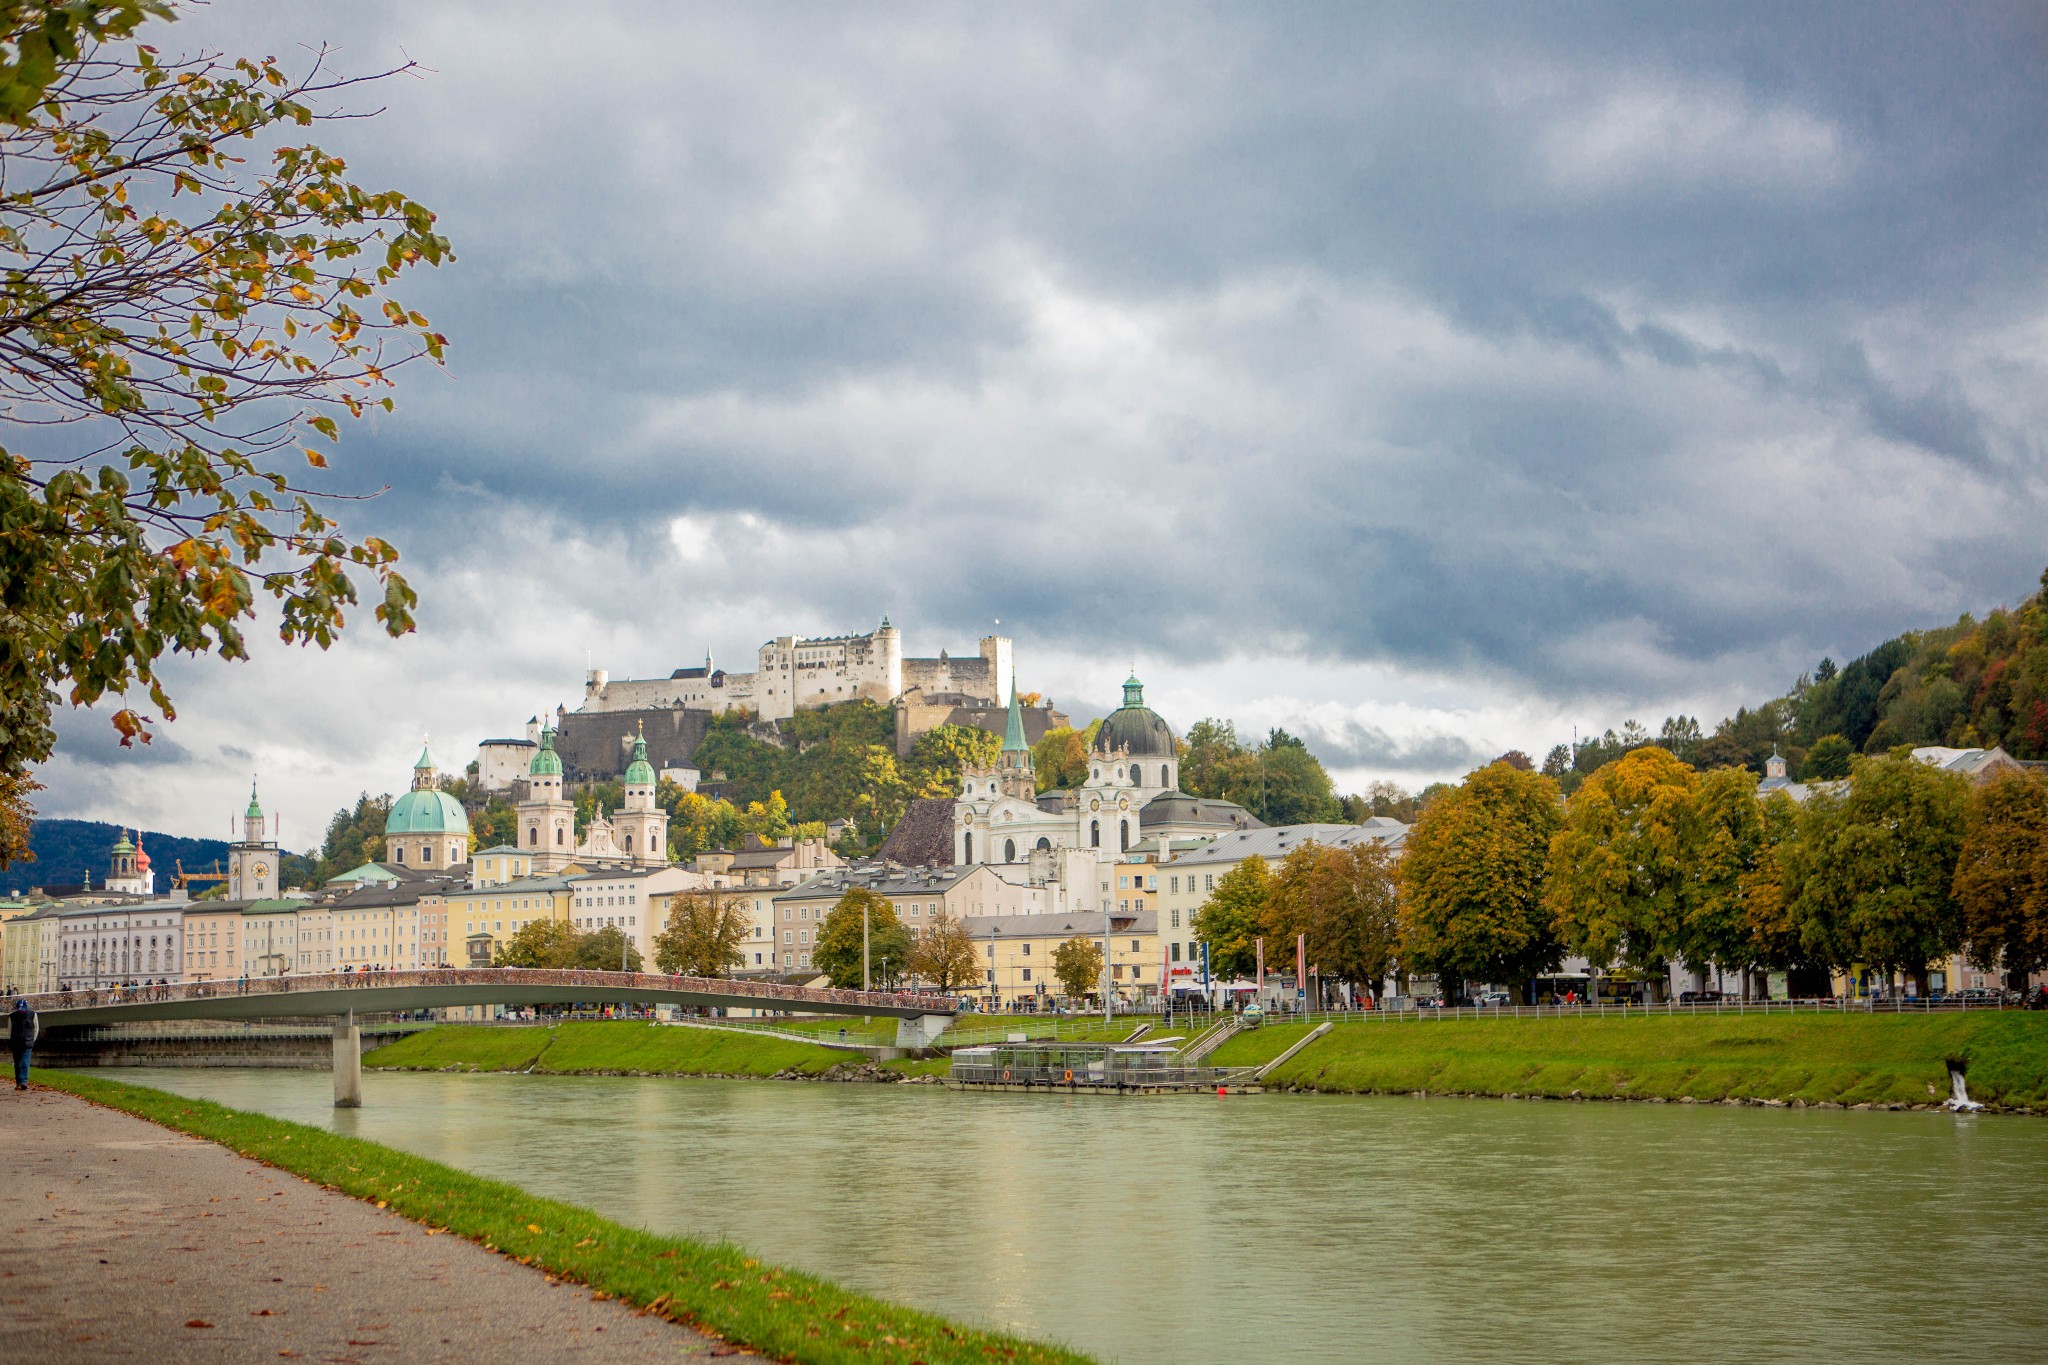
(1846, 1059)
(716, 1288)
(597, 1047)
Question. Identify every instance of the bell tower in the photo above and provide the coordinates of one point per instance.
(252, 862)
(641, 825)
(547, 820)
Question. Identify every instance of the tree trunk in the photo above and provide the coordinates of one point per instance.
(1920, 982)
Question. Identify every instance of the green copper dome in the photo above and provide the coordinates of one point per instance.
(546, 762)
(640, 773)
(426, 811)
(255, 811)
(123, 846)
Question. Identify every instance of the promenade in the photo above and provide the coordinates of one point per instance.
(120, 1240)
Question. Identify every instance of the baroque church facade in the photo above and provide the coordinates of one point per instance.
(1132, 794)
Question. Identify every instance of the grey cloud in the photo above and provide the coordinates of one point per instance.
(1600, 350)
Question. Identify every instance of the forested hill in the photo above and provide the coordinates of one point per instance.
(67, 849)
(1973, 684)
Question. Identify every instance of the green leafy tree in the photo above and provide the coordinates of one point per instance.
(1877, 866)
(604, 950)
(1344, 900)
(1728, 840)
(1827, 760)
(1472, 877)
(354, 836)
(838, 949)
(2001, 883)
(1060, 759)
(702, 934)
(196, 295)
(1233, 917)
(1077, 964)
(549, 943)
(1293, 788)
(943, 956)
(938, 755)
(1622, 866)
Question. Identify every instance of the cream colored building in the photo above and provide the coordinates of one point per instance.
(28, 959)
(213, 941)
(1017, 954)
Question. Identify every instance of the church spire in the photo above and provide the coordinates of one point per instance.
(1013, 732)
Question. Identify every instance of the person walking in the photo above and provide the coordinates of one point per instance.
(21, 1039)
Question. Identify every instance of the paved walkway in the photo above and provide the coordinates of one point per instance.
(120, 1240)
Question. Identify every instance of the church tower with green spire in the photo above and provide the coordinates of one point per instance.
(252, 863)
(1013, 766)
(641, 825)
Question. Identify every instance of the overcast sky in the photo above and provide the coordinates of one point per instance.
(1427, 381)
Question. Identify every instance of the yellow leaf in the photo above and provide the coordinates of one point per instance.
(533, 1227)
(315, 458)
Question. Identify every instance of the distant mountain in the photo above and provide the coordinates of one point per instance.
(68, 849)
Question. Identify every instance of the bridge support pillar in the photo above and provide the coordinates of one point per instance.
(922, 1031)
(348, 1062)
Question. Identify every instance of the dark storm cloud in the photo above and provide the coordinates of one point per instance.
(1605, 348)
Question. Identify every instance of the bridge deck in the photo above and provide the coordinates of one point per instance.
(371, 992)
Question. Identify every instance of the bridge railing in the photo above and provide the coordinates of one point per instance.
(767, 993)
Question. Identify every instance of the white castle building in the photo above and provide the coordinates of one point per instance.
(794, 673)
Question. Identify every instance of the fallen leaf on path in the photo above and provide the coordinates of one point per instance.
(198, 1322)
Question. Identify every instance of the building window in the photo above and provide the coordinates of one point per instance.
(1124, 837)
(1176, 917)
(1095, 834)
(1009, 850)
(1208, 882)
(1176, 952)
(1027, 973)
(1165, 776)
(967, 841)
(1027, 950)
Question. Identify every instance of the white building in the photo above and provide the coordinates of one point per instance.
(107, 945)
(795, 672)
(1132, 794)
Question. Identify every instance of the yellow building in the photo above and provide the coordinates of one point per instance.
(481, 919)
(28, 961)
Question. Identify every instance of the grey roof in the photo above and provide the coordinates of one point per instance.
(1278, 842)
(885, 880)
(1085, 925)
(514, 743)
(1178, 808)
(1140, 729)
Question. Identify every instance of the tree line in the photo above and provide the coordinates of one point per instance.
(1973, 684)
(1651, 862)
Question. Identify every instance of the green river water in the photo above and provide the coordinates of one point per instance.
(1289, 1228)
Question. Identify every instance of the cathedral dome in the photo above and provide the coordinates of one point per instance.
(640, 773)
(1135, 726)
(426, 812)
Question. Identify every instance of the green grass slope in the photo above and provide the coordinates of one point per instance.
(1845, 1059)
(782, 1314)
(595, 1047)
(463, 1047)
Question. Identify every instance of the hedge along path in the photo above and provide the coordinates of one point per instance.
(717, 1289)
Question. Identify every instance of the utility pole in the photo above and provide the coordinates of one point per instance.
(1108, 976)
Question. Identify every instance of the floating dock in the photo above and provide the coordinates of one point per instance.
(1093, 1069)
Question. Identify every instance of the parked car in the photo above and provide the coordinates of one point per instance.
(1699, 997)
(1495, 999)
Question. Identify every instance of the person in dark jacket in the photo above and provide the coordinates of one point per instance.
(21, 1039)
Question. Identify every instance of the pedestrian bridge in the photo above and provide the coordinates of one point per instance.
(343, 995)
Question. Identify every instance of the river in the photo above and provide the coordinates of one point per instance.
(1289, 1228)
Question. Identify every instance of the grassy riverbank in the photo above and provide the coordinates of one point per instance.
(1837, 1059)
(598, 1047)
(718, 1289)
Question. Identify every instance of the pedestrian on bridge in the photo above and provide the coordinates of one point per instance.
(21, 1039)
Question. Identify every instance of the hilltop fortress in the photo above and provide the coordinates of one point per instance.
(793, 673)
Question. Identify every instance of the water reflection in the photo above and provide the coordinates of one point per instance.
(1289, 1228)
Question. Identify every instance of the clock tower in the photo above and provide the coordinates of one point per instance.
(252, 863)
